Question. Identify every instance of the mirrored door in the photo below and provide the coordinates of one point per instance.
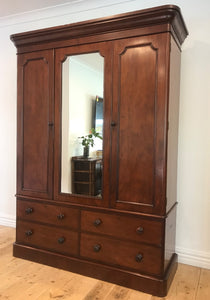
(81, 122)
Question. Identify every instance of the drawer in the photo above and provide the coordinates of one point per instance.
(83, 188)
(143, 258)
(123, 227)
(82, 165)
(46, 237)
(46, 213)
(84, 176)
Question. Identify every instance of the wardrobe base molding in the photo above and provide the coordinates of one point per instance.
(147, 284)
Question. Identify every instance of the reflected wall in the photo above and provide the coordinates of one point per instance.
(82, 84)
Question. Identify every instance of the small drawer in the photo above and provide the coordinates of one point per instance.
(46, 213)
(129, 255)
(123, 227)
(82, 165)
(84, 177)
(91, 189)
(49, 238)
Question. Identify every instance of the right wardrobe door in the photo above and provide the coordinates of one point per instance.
(139, 123)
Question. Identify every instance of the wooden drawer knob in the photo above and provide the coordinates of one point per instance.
(61, 240)
(97, 248)
(60, 216)
(97, 222)
(29, 210)
(28, 232)
(140, 230)
(139, 257)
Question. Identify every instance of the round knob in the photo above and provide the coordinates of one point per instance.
(97, 222)
(29, 210)
(61, 240)
(28, 232)
(97, 248)
(140, 230)
(139, 257)
(60, 216)
(113, 124)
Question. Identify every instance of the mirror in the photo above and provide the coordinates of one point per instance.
(82, 124)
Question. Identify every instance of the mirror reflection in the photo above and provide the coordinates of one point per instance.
(82, 124)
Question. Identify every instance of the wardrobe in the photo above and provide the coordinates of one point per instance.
(124, 231)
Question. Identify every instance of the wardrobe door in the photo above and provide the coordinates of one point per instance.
(139, 123)
(35, 124)
(83, 82)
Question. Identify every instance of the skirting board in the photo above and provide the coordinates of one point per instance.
(194, 258)
(7, 220)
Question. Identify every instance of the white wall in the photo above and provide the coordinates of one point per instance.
(193, 223)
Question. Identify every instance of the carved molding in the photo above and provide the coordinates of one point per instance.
(167, 14)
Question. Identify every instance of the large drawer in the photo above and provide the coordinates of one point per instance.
(123, 227)
(47, 213)
(46, 237)
(143, 258)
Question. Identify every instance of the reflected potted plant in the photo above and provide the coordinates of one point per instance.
(88, 140)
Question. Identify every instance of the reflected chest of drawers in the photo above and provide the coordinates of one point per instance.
(86, 175)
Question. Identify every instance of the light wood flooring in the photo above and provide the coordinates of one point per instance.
(23, 280)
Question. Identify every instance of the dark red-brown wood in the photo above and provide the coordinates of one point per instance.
(127, 236)
(104, 50)
(131, 228)
(44, 237)
(121, 253)
(158, 19)
(58, 215)
(139, 110)
(86, 176)
(35, 124)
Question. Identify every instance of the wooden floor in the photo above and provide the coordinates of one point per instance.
(23, 280)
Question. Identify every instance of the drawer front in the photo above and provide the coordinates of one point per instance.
(91, 189)
(130, 255)
(84, 177)
(49, 238)
(46, 213)
(82, 165)
(132, 228)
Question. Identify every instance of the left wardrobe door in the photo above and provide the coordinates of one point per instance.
(35, 124)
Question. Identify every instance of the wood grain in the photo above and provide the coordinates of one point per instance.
(136, 49)
(203, 290)
(105, 28)
(34, 135)
(21, 279)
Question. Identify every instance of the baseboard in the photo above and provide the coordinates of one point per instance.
(194, 258)
(7, 220)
